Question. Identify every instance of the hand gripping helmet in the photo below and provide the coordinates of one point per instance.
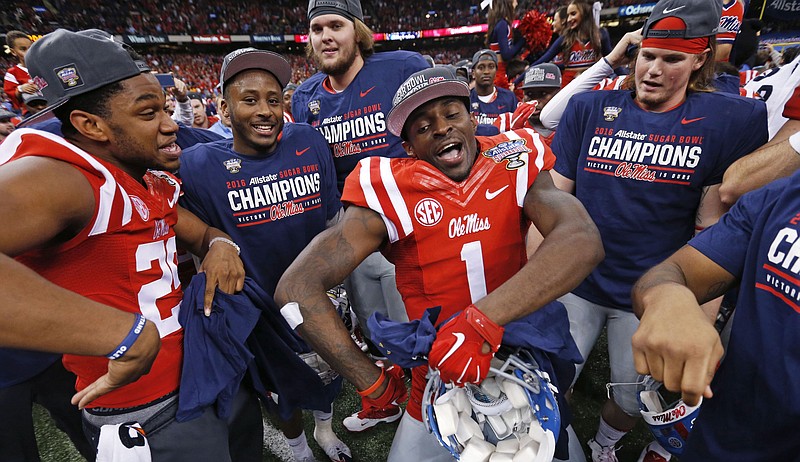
(514, 412)
(670, 424)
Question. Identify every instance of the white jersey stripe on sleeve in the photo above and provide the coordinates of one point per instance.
(372, 198)
(107, 190)
(395, 196)
(537, 141)
(127, 209)
(521, 188)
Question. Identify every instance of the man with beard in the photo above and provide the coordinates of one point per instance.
(272, 187)
(647, 164)
(347, 102)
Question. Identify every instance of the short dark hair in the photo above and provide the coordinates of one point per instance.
(13, 35)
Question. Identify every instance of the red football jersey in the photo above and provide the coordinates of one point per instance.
(730, 22)
(15, 76)
(452, 243)
(125, 257)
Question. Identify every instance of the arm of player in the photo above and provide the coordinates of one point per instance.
(221, 262)
(709, 212)
(47, 201)
(325, 262)
(776, 159)
(570, 250)
(676, 342)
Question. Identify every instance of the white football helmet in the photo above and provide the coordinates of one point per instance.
(513, 412)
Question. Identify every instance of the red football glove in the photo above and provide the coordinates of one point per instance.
(457, 351)
(521, 115)
(395, 392)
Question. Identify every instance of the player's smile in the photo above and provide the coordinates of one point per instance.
(170, 150)
(254, 101)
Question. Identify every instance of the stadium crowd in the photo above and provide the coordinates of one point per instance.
(182, 17)
(581, 122)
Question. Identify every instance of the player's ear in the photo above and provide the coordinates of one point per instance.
(409, 149)
(474, 121)
(224, 109)
(89, 125)
(700, 59)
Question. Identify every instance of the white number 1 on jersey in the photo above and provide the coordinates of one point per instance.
(472, 256)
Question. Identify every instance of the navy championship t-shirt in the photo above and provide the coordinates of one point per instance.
(641, 174)
(487, 113)
(272, 206)
(755, 408)
(354, 120)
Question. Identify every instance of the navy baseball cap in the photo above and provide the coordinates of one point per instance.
(700, 19)
(64, 64)
(350, 9)
(33, 98)
(250, 58)
(420, 88)
(546, 75)
(483, 55)
(5, 114)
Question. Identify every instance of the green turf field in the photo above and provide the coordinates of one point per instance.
(373, 445)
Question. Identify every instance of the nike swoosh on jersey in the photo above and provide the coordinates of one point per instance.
(364, 93)
(300, 153)
(668, 11)
(491, 195)
(686, 121)
(502, 106)
(459, 341)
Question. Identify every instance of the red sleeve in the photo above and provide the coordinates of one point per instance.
(792, 108)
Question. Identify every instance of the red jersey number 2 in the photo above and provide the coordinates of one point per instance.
(164, 254)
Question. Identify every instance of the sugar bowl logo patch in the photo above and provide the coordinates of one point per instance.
(610, 113)
(313, 106)
(68, 76)
(509, 151)
(233, 165)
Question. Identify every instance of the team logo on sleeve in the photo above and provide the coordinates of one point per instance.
(428, 212)
(509, 151)
(313, 106)
(610, 113)
(233, 165)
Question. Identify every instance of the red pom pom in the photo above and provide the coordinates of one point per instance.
(536, 30)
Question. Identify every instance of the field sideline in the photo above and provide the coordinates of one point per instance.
(373, 445)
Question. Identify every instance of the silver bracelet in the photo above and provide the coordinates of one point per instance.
(227, 241)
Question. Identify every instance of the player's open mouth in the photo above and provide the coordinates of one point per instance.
(451, 152)
(264, 129)
(171, 150)
(329, 51)
(650, 85)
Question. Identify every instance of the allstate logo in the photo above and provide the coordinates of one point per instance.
(428, 212)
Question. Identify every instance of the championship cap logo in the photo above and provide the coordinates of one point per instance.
(610, 113)
(313, 106)
(233, 165)
(509, 151)
(69, 76)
